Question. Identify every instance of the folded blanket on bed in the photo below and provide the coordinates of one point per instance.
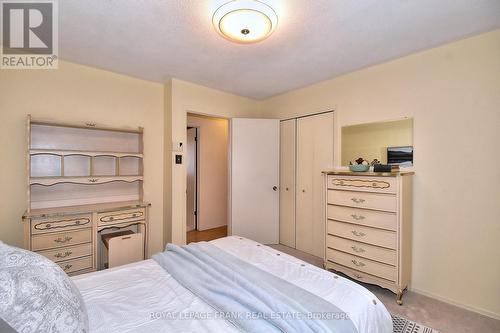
(250, 298)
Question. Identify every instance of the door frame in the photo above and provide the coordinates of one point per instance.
(197, 175)
(198, 134)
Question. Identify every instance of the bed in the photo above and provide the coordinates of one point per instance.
(143, 297)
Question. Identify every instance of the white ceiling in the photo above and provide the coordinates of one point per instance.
(315, 39)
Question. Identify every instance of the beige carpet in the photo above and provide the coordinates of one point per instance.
(427, 311)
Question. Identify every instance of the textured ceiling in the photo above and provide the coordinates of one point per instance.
(315, 39)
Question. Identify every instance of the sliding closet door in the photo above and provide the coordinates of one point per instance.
(314, 154)
(287, 182)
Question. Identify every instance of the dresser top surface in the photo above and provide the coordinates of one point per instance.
(72, 210)
(368, 173)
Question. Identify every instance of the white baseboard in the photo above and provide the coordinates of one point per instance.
(458, 304)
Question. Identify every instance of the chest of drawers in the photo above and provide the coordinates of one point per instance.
(368, 227)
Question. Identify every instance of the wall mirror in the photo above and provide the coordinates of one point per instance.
(390, 142)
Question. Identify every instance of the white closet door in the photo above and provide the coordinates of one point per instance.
(314, 154)
(255, 179)
(287, 182)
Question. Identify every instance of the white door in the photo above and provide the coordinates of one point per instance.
(255, 179)
(314, 154)
(191, 191)
(287, 182)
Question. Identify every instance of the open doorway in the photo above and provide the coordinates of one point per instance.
(192, 179)
(207, 178)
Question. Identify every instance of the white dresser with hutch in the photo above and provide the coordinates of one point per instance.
(368, 227)
(84, 181)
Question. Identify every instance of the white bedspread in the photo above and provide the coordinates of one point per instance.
(142, 297)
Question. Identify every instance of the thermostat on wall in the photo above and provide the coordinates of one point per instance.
(177, 146)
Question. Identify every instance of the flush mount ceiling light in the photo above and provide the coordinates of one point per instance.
(245, 21)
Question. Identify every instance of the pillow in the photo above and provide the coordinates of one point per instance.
(37, 296)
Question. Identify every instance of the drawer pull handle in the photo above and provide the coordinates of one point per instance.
(89, 124)
(358, 200)
(47, 225)
(357, 276)
(77, 222)
(63, 255)
(358, 217)
(357, 263)
(93, 180)
(358, 233)
(63, 240)
(357, 249)
(134, 215)
(67, 266)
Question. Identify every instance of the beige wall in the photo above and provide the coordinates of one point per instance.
(453, 94)
(76, 93)
(213, 170)
(188, 97)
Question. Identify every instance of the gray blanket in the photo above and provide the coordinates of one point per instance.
(250, 298)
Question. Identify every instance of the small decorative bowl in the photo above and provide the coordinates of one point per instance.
(359, 167)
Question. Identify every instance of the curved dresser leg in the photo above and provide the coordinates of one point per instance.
(399, 297)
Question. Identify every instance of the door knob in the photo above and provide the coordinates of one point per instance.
(275, 188)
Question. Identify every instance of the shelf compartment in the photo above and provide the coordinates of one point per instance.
(73, 195)
(104, 166)
(45, 165)
(76, 166)
(49, 181)
(130, 166)
(53, 137)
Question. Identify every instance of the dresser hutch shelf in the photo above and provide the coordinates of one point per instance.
(84, 181)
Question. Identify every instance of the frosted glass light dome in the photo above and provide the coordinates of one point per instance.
(245, 21)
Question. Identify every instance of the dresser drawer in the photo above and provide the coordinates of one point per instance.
(121, 216)
(70, 266)
(61, 223)
(378, 201)
(83, 271)
(387, 272)
(61, 239)
(363, 277)
(363, 234)
(66, 253)
(363, 183)
(376, 253)
(371, 218)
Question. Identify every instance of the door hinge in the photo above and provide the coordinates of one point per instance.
(195, 138)
(195, 213)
